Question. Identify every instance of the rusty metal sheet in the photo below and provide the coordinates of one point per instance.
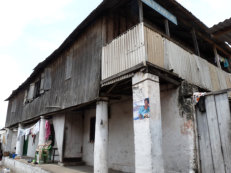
(154, 47)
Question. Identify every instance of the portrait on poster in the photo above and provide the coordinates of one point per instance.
(141, 109)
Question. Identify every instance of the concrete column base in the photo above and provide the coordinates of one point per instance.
(101, 138)
(20, 141)
(147, 123)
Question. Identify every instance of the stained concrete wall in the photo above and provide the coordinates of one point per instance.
(121, 137)
(178, 151)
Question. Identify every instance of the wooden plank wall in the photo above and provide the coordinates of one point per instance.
(82, 83)
(81, 87)
(214, 135)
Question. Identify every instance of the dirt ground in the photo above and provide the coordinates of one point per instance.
(2, 168)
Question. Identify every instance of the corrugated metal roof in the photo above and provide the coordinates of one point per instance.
(222, 31)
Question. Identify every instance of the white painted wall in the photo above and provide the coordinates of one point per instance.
(121, 137)
(177, 135)
(32, 146)
(73, 135)
(14, 140)
(88, 148)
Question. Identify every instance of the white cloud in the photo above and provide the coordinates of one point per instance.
(209, 12)
(16, 15)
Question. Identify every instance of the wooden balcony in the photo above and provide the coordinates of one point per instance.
(141, 44)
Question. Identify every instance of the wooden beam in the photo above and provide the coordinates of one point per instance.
(210, 40)
(141, 14)
(222, 31)
(217, 57)
(196, 47)
(167, 27)
(112, 87)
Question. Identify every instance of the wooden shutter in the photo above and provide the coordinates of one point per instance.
(31, 92)
(68, 67)
(47, 79)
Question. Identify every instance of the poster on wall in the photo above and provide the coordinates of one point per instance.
(141, 109)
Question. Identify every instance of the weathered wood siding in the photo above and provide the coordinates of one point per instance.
(123, 52)
(80, 86)
(214, 135)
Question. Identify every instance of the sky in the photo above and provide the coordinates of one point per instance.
(31, 30)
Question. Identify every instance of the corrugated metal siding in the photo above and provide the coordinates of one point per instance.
(124, 52)
(188, 66)
(154, 47)
(222, 80)
(194, 69)
(214, 77)
(177, 59)
(228, 80)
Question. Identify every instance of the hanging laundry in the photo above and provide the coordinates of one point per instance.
(221, 59)
(26, 132)
(197, 96)
(3, 139)
(20, 134)
(48, 129)
(226, 63)
(33, 137)
(35, 128)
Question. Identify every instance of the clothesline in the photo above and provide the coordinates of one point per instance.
(31, 130)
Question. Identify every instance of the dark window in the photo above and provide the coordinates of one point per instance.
(37, 88)
(92, 129)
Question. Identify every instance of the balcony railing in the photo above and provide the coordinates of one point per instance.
(143, 44)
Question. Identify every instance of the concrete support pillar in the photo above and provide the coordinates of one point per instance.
(20, 141)
(147, 123)
(101, 138)
(42, 131)
(8, 139)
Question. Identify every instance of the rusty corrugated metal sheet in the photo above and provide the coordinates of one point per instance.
(154, 47)
(124, 52)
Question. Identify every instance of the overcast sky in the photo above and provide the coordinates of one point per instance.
(31, 30)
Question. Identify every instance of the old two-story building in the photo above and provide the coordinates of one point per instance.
(118, 93)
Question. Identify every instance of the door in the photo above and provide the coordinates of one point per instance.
(214, 133)
(25, 146)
